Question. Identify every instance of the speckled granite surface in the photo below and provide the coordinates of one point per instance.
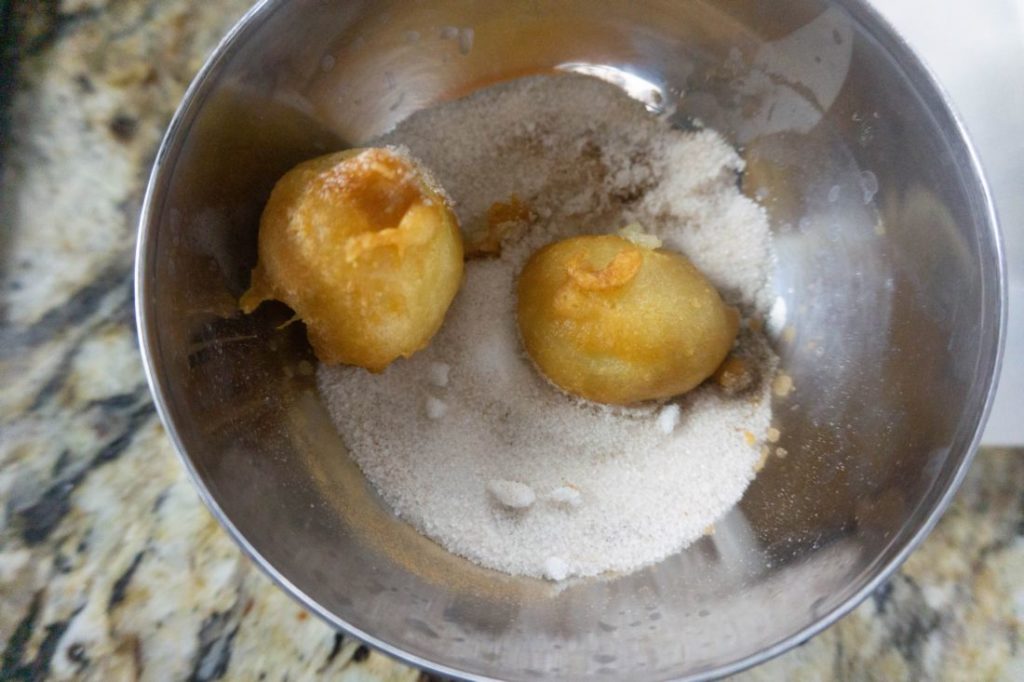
(111, 569)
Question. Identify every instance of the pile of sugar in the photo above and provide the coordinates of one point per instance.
(465, 440)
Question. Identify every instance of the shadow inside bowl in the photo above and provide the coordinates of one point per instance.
(887, 320)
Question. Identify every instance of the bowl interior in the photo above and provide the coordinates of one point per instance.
(887, 318)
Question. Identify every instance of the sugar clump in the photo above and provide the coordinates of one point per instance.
(435, 408)
(511, 494)
(668, 418)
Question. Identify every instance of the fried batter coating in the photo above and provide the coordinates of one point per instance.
(503, 217)
(363, 246)
(616, 322)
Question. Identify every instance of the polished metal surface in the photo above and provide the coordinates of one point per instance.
(979, 64)
(889, 320)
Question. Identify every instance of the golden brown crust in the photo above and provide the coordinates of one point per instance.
(365, 251)
(614, 322)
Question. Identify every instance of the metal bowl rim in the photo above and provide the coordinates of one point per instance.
(860, 11)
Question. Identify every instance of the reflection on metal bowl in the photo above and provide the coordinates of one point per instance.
(891, 302)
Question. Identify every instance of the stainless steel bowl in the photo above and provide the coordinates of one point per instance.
(889, 320)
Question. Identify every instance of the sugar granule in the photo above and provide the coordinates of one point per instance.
(585, 159)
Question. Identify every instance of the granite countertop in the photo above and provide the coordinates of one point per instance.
(111, 568)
